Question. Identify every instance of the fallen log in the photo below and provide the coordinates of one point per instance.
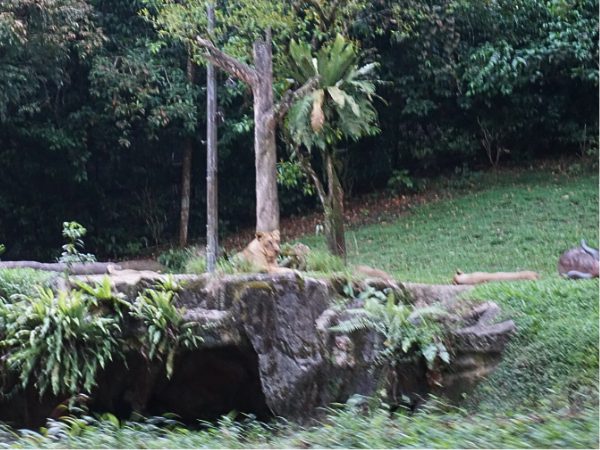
(95, 268)
(484, 277)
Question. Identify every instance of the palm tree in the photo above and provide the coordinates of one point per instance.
(340, 109)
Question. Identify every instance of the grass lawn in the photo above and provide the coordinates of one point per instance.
(516, 220)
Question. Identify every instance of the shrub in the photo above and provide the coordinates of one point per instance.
(166, 329)
(56, 342)
(74, 232)
(22, 281)
(175, 259)
(322, 261)
(196, 264)
(407, 331)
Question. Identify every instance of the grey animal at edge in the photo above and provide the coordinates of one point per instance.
(579, 262)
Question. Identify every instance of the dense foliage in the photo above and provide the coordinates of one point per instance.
(347, 427)
(95, 107)
(59, 342)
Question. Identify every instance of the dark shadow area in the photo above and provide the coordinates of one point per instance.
(206, 384)
(209, 383)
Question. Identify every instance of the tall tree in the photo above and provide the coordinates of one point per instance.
(186, 170)
(340, 109)
(174, 20)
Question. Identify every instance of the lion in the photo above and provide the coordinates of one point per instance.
(484, 277)
(263, 251)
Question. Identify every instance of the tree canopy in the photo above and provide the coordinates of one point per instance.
(96, 106)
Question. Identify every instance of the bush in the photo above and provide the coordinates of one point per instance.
(196, 264)
(175, 259)
(322, 261)
(166, 329)
(22, 281)
(55, 342)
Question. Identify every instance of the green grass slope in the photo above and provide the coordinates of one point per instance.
(516, 221)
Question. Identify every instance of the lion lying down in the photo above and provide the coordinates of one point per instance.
(484, 277)
(263, 251)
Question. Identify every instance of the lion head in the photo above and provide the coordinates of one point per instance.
(269, 241)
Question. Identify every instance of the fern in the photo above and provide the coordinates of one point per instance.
(104, 296)
(166, 329)
(56, 341)
(407, 332)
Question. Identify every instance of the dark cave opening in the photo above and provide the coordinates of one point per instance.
(206, 384)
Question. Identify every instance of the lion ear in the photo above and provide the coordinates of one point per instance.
(275, 234)
(260, 235)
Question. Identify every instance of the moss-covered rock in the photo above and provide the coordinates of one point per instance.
(268, 341)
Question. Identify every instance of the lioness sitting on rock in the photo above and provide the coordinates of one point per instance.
(263, 251)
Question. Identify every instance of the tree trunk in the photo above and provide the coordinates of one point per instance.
(212, 209)
(266, 117)
(186, 174)
(334, 211)
(267, 204)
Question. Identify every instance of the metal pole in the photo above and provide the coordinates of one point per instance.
(212, 209)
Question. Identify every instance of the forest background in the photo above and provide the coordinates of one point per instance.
(97, 110)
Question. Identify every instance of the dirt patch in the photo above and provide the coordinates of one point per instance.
(359, 211)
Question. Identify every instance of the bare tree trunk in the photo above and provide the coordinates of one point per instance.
(212, 209)
(267, 204)
(186, 174)
(334, 210)
(266, 117)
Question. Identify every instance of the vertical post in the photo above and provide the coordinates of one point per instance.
(212, 210)
(186, 171)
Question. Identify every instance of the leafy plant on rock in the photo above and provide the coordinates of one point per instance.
(408, 332)
(56, 342)
(104, 296)
(166, 329)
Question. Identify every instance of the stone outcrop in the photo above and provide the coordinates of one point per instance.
(270, 350)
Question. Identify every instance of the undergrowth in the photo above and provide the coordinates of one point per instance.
(23, 281)
(343, 427)
(554, 353)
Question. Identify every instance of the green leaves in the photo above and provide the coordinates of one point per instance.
(55, 342)
(342, 108)
(166, 330)
(407, 331)
(59, 341)
(73, 232)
